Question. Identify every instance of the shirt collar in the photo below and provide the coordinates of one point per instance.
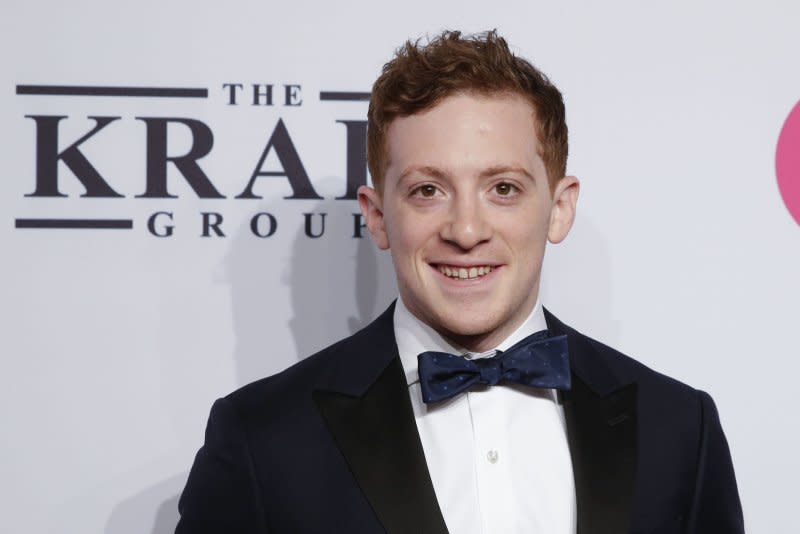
(414, 337)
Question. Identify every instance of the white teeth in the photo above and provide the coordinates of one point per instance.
(465, 273)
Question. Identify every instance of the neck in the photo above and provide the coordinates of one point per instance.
(482, 342)
(475, 343)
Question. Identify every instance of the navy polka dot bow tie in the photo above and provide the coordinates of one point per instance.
(537, 361)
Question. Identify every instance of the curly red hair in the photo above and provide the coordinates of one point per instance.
(422, 74)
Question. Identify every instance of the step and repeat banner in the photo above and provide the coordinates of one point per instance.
(179, 219)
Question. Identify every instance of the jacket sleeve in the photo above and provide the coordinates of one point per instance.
(715, 507)
(221, 495)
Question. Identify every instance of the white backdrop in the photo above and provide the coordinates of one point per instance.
(115, 343)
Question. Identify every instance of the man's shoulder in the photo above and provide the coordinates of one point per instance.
(340, 367)
(633, 370)
(296, 381)
(594, 355)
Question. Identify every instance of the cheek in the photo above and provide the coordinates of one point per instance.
(523, 228)
(405, 240)
(408, 231)
(526, 239)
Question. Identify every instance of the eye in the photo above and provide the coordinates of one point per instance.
(505, 189)
(426, 191)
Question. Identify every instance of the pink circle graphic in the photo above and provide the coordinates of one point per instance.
(787, 162)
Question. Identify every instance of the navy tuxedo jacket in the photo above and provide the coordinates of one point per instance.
(330, 445)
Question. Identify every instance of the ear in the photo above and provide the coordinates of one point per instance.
(371, 205)
(562, 213)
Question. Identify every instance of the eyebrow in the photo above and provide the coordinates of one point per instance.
(427, 170)
(505, 169)
(436, 172)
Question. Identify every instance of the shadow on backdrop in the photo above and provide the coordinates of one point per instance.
(577, 283)
(250, 269)
(152, 511)
(338, 283)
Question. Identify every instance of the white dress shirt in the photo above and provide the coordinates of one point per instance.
(498, 456)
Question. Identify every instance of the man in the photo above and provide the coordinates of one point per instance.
(466, 407)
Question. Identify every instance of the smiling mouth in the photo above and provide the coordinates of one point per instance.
(465, 273)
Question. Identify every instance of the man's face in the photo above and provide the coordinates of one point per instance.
(466, 211)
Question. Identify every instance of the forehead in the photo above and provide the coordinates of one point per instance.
(464, 131)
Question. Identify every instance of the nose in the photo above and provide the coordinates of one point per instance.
(467, 225)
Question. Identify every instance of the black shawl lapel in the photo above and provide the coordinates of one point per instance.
(601, 421)
(366, 407)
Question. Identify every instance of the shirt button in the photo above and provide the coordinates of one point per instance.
(492, 456)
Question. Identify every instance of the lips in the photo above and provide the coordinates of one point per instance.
(464, 272)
